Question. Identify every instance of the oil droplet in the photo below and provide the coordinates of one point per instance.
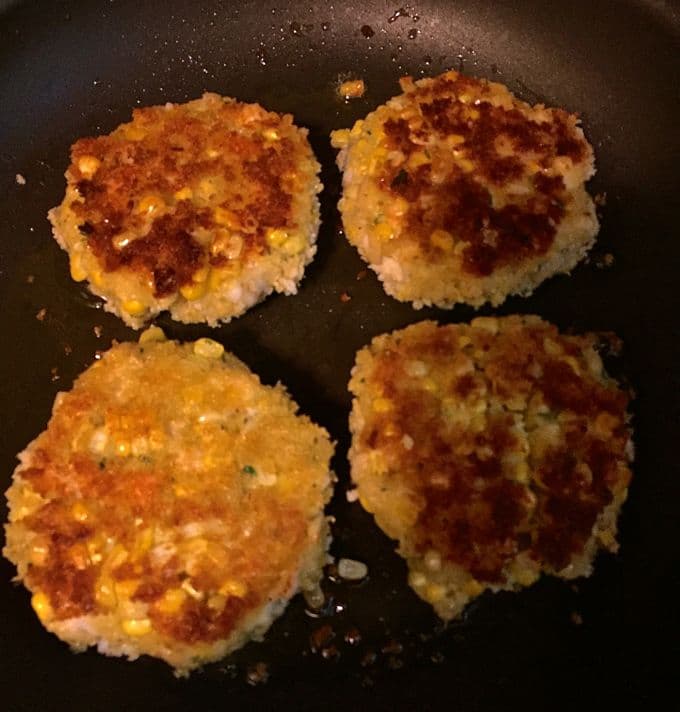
(367, 31)
(401, 12)
(261, 55)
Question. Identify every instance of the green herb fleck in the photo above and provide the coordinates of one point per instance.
(248, 470)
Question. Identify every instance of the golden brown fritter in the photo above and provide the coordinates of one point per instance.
(456, 191)
(492, 452)
(172, 506)
(201, 208)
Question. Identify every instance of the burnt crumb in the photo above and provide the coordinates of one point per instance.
(257, 674)
(392, 647)
(321, 637)
(367, 31)
(353, 636)
(437, 657)
(368, 658)
(394, 662)
(330, 653)
(576, 618)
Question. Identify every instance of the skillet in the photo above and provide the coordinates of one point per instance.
(70, 69)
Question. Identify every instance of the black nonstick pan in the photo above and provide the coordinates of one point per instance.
(71, 69)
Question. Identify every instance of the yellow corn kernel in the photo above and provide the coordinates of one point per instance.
(233, 588)
(193, 291)
(150, 204)
(473, 588)
(133, 133)
(276, 237)
(418, 159)
(455, 139)
(88, 165)
(153, 333)
(217, 602)
(105, 593)
(208, 348)
(473, 114)
(429, 385)
(442, 239)
(78, 273)
(533, 167)
(143, 543)
(466, 165)
(183, 194)
(117, 557)
(464, 98)
(390, 430)
(121, 241)
(42, 606)
(382, 405)
(383, 231)
(293, 245)
(171, 601)
(226, 217)
(79, 512)
(134, 307)
(201, 274)
(271, 134)
(136, 626)
(434, 592)
(126, 588)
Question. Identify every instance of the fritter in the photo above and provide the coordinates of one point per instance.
(456, 191)
(172, 506)
(201, 208)
(492, 452)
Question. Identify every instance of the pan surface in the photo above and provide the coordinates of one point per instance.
(71, 69)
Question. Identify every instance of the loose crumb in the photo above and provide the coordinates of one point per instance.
(352, 570)
(97, 330)
(576, 618)
(68, 349)
(352, 495)
(345, 297)
(321, 637)
(257, 674)
(352, 89)
(20, 179)
(362, 274)
(54, 374)
(600, 199)
(40, 316)
(30, 279)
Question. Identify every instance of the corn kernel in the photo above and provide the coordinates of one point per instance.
(473, 588)
(382, 405)
(150, 204)
(455, 139)
(79, 512)
(208, 348)
(276, 237)
(78, 273)
(183, 194)
(193, 291)
(171, 601)
(153, 333)
(464, 98)
(466, 165)
(194, 593)
(429, 385)
(442, 239)
(126, 588)
(473, 114)
(42, 606)
(271, 134)
(233, 588)
(533, 167)
(293, 245)
(134, 307)
(434, 592)
(39, 554)
(105, 594)
(226, 217)
(418, 159)
(133, 133)
(135, 627)
(383, 231)
(88, 165)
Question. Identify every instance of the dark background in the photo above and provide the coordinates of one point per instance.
(69, 69)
